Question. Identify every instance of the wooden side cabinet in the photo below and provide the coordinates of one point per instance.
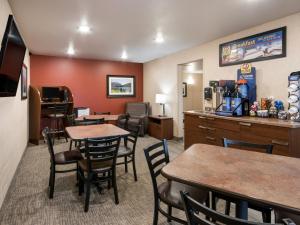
(161, 127)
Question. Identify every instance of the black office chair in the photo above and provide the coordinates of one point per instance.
(98, 166)
(265, 210)
(59, 159)
(128, 153)
(198, 213)
(168, 192)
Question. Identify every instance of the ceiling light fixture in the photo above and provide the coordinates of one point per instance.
(124, 55)
(84, 29)
(71, 50)
(159, 38)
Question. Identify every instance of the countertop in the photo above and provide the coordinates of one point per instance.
(248, 119)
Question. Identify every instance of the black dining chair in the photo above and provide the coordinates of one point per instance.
(168, 192)
(285, 215)
(127, 153)
(59, 159)
(71, 122)
(99, 165)
(199, 214)
(265, 210)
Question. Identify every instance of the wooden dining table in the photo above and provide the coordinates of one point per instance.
(246, 176)
(78, 133)
(107, 118)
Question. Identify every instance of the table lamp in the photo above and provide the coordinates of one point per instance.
(161, 99)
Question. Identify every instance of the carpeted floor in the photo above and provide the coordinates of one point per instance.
(27, 201)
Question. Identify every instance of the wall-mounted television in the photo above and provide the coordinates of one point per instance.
(11, 59)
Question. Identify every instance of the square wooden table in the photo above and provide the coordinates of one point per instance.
(95, 131)
(245, 175)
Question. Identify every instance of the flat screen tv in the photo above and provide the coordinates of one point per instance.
(11, 59)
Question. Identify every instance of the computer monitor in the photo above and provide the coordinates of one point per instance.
(49, 93)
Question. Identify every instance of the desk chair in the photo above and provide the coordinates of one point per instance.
(57, 115)
(101, 113)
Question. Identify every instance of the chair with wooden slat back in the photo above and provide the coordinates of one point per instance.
(59, 159)
(265, 210)
(99, 165)
(128, 153)
(167, 192)
(198, 213)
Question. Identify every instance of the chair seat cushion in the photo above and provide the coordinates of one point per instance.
(96, 166)
(134, 121)
(124, 151)
(67, 157)
(169, 193)
(122, 121)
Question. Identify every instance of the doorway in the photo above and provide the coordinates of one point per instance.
(190, 86)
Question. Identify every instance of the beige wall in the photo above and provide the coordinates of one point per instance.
(13, 122)
(160, 75)
(194, 99)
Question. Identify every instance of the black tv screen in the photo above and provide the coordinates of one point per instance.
(50, 93)
(11, 59)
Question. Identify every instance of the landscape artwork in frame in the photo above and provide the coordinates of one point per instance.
(120, 86)
(263, 46)
(24, 82)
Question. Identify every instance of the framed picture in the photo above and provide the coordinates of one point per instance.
(184, 89)
(24, 82)
(263, 46)
(119, 86)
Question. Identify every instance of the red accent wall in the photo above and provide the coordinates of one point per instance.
(86, 79)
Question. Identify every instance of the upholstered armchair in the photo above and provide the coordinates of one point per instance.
(136, 114)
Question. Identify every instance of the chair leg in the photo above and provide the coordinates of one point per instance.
(71, 143)
(134, 168)
(155, 212)
(266, 215)
(126, 164)
(52, 181)
(213, 202)
(115, 187)
(169, 213)
(87, 195)
(227, 208)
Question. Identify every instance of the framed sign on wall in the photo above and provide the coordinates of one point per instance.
(263, 46)
(118, 86)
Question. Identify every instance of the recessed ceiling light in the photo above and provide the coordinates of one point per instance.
(84, 29)
(71, 50)
(159, 38)
(124, 55)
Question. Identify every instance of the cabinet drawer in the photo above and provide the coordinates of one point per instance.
(272, 132)
(224, 124)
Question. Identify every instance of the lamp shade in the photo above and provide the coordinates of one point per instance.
(160, 98)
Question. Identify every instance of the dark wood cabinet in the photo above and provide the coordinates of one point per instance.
(211, 129)
(161, 127)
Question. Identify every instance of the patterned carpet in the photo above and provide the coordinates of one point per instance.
(27, 201)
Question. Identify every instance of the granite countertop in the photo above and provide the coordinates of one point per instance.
(248, 119)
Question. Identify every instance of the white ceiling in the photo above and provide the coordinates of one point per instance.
(48, 26)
